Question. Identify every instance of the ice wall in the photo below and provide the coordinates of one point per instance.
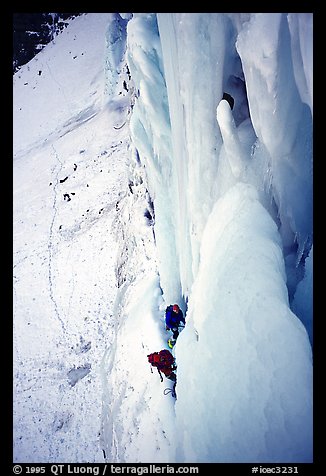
(274, 67)
(301, 30)
(195, 137)
(276, 54)
(264, 61)
(303, 297)
(244, 359)
(151, 135)
(232, 193)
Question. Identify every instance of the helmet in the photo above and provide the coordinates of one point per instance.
(176, 308)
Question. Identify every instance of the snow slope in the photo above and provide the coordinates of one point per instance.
(70, 173)
(136, 186)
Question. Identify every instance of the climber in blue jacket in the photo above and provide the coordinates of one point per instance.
(173, 319)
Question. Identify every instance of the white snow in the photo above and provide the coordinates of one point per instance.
(64, 251)
(136, 186)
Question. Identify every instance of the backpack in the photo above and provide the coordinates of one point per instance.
(162, 360)
(166, 358)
